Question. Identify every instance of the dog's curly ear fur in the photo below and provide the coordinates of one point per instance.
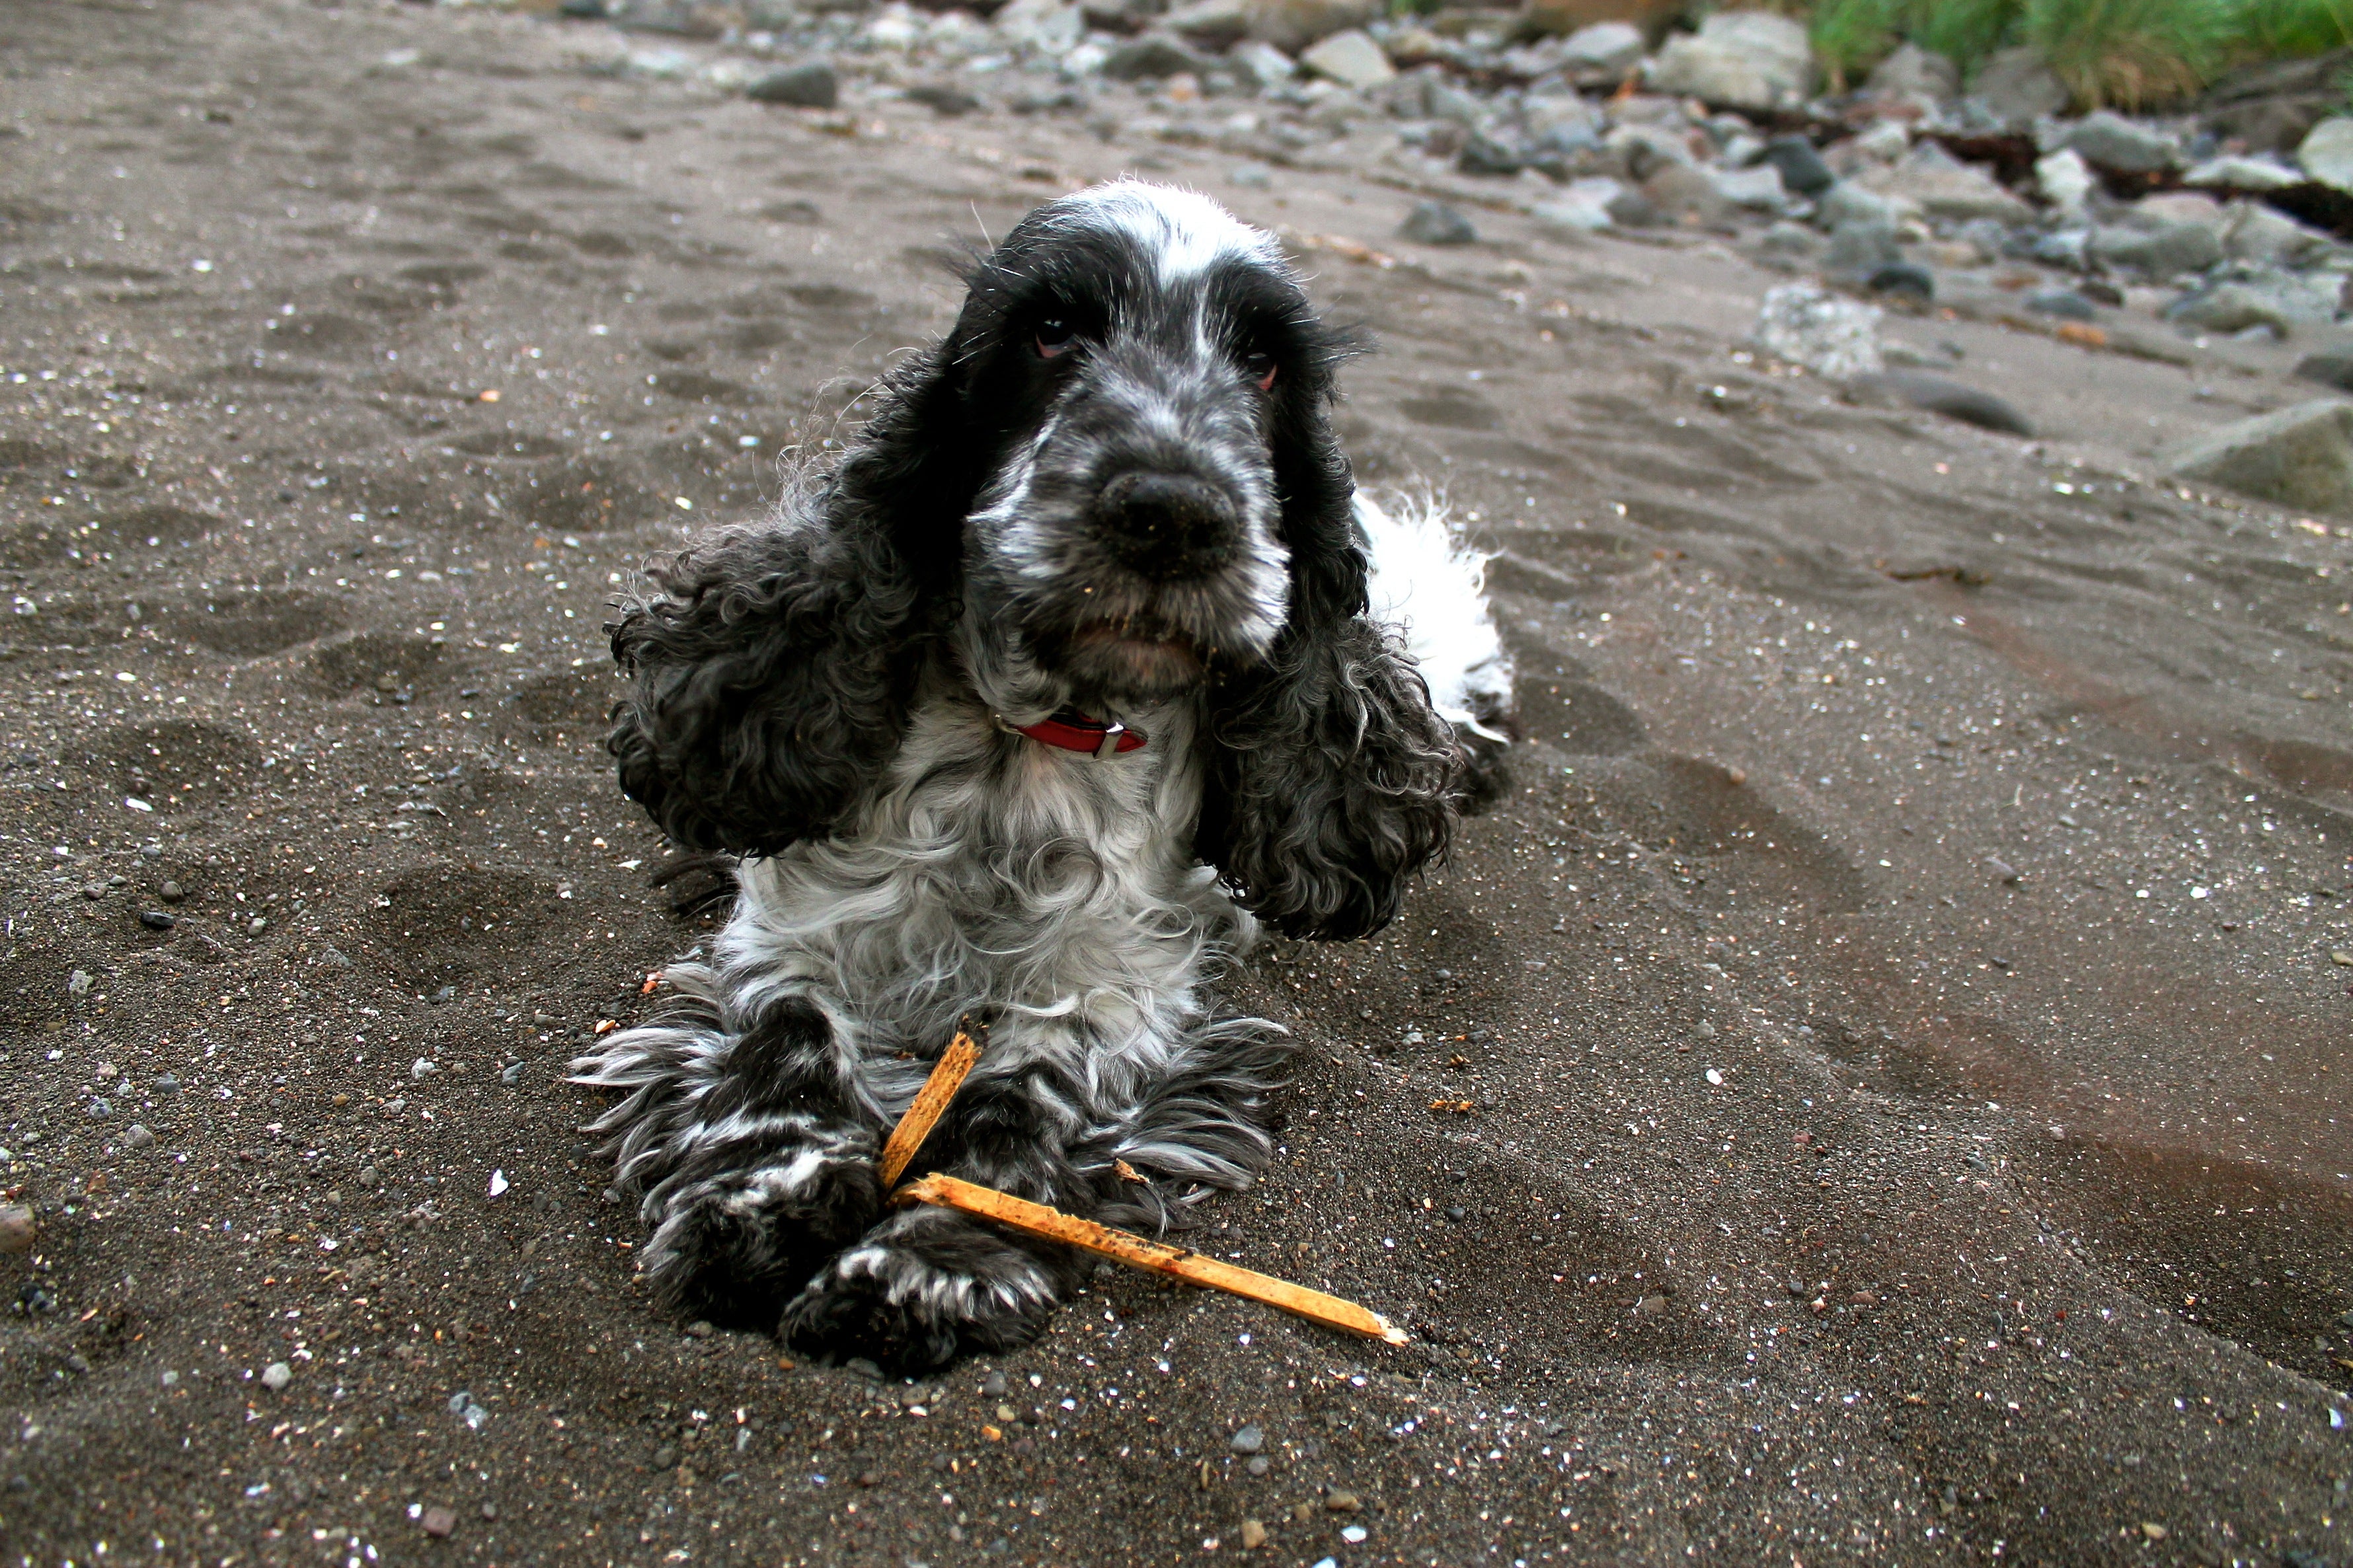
(771, 676)
(1330, 780)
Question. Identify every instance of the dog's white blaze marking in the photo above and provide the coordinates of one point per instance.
(1185, 232)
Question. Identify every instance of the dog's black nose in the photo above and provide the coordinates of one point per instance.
(1167, 525)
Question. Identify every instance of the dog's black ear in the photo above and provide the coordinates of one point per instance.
(1330, 781)
(771, 676)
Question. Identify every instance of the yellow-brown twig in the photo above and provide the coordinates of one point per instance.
(930, 1100)
(1155, 1257)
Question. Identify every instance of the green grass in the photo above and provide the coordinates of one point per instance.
(2290, 29)
(2125, 54)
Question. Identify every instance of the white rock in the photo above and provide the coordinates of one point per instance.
(1803, 323)
(2327, 153)
(1944, 186)
(1581, 207)
(1050, 27)
(1605, 49)
(1886, 141)
(1350, 59)
(1759, 188)
(2066, 181)
(1915, 72)
(2235, 173)
(276, 1376)
(1739, 59)
(2257, 232)
(1293, 25)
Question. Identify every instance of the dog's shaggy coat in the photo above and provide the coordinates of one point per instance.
(1112, 491)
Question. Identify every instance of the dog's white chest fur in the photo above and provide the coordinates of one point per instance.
(1052, 893)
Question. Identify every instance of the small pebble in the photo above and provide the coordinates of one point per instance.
(1248, 1440)
(170, 892)
(158, 919)
(136, 1136)
(17, 1228)
(256, 926)
(276, 1376)
(1435, 223)
(1457, 1213)
(1343, 1502)
(699, 1328)
(1258, 1465)
(438, 1522)
(79, 983)
(1253, 1535)
(993, 1386)
(165, 1083)
(1353, 1534)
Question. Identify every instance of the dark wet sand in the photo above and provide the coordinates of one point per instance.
(1825, 1196)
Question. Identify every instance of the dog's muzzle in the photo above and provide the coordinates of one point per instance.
(1166, 527)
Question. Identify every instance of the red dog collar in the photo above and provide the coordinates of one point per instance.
(1071, 730)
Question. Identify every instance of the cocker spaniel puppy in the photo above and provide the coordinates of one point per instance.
(1028, 710)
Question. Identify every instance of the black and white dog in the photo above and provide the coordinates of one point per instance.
(1082, 662)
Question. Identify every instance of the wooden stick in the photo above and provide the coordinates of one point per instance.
(1155, 1257)
(930, 1103)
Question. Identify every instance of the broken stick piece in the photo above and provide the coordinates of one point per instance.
(1154, 1256)
(931, 1102)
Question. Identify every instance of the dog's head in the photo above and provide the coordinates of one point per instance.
(1112, 483)
(1146, 386)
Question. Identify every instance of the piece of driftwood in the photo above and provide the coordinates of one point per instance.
(1137, 1252)
(931, 1102)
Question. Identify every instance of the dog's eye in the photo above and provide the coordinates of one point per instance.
(1055, 338)
(1260, 367)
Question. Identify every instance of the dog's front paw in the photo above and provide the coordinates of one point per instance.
(923, 1288)
(732, 1245)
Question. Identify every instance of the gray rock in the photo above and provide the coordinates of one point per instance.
(1490, 155)
(1435, 223)
(994, 1386)
(1151, 57)
(1211, 24)
(1248, 1440)
(2063, 303)
(1915, 72)
(810, 85)
(942, 98)
(2107, 140)
(170, 892)
(164, 1083)
(1583, 208)
(1943, 186)
(2159, 251)
(1908, 279)
(1802, 169)
(77, 983)
(1804, 324)
(1259, 64)
(1292, 25)
(135, 1136)
(2327, 154)
(1847, 201)
(1859, 247)
(1050, 27)
(1935, 394)
(276, 1376)
(2329, 370)
(1739, 59)
(2017, 88)
(1350, 59)
(2227, 308)
(2300, 457)
(100, 1109)
(1258, 1465)
(1793, 241)
(158, 919)
(1601, 55)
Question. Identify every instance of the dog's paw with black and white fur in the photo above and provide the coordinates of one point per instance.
(1082, 663)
